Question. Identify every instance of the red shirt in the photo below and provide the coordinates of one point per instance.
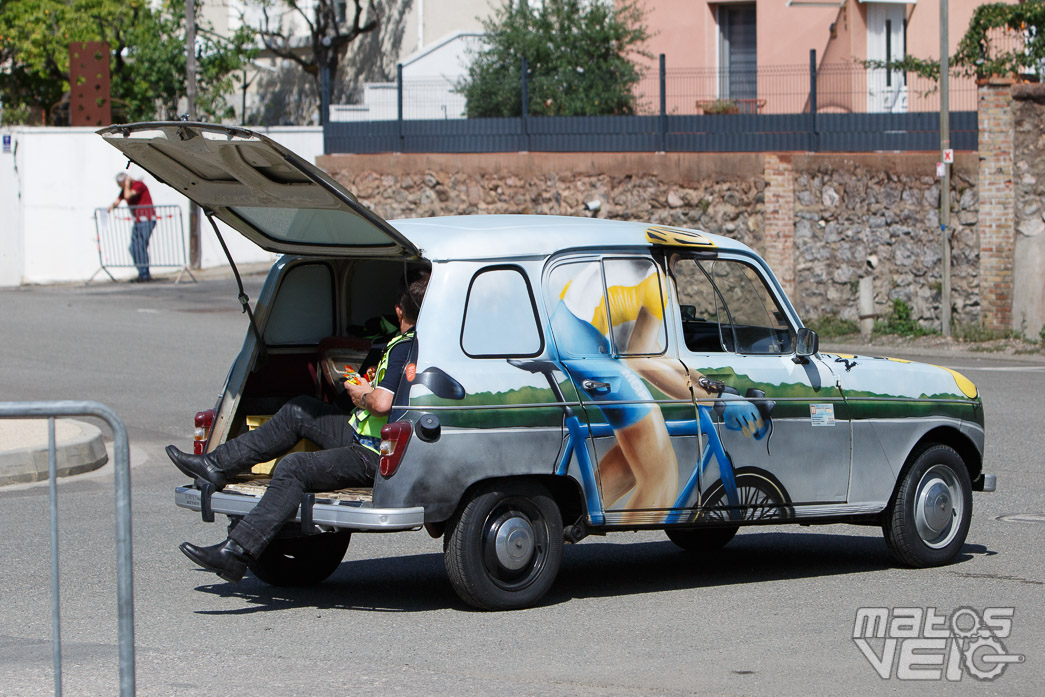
(141, 199)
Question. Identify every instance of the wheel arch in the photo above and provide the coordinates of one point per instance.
(951, 437)
(565, 491)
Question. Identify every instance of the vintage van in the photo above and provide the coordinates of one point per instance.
(571, 376)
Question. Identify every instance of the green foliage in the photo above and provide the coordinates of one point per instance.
(147, 59)
(831, 326)
(1041, 333)
(1001, 40)
(579, 55)
(718, 106)
(977, 332)
(901, 322)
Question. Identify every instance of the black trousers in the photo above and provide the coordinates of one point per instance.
(341, 463)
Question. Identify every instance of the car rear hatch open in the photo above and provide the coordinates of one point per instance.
(273, 197)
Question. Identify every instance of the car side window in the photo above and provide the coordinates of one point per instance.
(614, 306)
(726, 306)
(500, 317)
(303, 310)
(636, 306)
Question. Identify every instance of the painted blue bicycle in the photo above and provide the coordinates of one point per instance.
(706, 515)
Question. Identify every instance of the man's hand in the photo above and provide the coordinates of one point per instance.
(741, 415)
(378, 402)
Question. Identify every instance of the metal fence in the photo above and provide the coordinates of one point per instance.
(124, 569)
(836, 107)
(166, 247)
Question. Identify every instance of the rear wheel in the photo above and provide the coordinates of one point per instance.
(503, 546)
(301, 561)
(928, 520)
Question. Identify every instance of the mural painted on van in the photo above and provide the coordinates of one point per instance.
(696, 432)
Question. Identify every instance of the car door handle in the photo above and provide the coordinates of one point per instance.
(595, 386)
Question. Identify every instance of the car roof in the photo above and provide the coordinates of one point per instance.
(521, 236)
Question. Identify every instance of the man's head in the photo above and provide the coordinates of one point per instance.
(121, 177)
(409, 303)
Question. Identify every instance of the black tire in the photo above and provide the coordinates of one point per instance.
(762, 498)
(928, 518)
(503, 546)
(706, 539)
(301, 561)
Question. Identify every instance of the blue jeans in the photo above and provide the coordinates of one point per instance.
(342, 463)
(140, 246)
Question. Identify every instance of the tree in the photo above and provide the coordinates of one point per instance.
(147, 59)
(579, 55)
(328, 35)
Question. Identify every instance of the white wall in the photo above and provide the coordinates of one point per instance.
(54, 179)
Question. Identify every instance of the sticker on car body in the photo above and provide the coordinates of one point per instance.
(822, 414)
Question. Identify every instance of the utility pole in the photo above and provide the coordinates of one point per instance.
(945, 185)
(190, 95)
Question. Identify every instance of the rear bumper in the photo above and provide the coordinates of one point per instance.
(985, 482)
(348, 516)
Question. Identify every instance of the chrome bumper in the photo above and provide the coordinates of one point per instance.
(336, 515)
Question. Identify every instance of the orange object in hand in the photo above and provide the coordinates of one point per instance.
(351, 376)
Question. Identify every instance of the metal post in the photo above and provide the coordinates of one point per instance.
(190, 97)
(399, 103)
(945, 185)
(324, 95)
(56, 632)
(814, 143)
(525, 106)
(663, 104)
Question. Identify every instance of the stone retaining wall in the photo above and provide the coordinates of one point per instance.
(815, 217)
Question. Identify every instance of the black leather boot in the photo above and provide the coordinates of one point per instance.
(227, 559)
(198, 467)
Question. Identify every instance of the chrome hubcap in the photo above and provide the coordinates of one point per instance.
(938, 507)
(514, 543)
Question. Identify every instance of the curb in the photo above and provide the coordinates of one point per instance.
(888, 349)
(79, 448)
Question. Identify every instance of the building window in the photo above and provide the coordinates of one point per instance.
(738, 56)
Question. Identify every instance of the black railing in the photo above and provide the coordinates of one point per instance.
(808, 108)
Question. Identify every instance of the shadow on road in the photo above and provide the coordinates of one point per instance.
(593, 569)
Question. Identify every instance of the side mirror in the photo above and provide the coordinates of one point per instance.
(807, 343)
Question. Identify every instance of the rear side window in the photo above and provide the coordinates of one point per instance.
(500, 316)
(303, 311)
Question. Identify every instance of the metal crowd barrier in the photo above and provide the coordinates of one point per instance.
(167, 247)
(122, 467)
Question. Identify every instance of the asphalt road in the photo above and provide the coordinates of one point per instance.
(630, 614)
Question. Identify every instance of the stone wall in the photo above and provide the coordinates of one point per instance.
(849, 208)
(815, 217)
(1028, 299)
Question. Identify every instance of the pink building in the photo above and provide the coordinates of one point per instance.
(755, 54)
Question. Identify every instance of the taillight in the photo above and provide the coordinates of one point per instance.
(394, 437)
(203, 421)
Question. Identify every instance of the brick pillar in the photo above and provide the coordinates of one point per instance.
(997, 203)
(779, 237)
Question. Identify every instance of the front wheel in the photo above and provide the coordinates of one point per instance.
(301, 561)
(928, 519)
(503, 546)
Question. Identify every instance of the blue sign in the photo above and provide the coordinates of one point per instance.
(7, 142)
